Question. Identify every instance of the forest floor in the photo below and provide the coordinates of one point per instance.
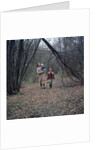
(32, 101)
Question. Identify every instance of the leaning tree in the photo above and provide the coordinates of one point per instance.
(70, 56)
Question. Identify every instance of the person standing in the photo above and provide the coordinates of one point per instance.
(39, 73)
(50, 77)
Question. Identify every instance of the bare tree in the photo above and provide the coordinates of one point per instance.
(20, 54)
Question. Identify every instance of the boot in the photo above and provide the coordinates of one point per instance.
(50, 86)
(43, 86)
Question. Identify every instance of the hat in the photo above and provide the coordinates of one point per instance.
(42, 64)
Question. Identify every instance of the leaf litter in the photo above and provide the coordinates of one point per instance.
(36, 102)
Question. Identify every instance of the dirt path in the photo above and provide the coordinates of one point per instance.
(36, 102)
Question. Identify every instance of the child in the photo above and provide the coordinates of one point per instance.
(43, 68)
(50, 77)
